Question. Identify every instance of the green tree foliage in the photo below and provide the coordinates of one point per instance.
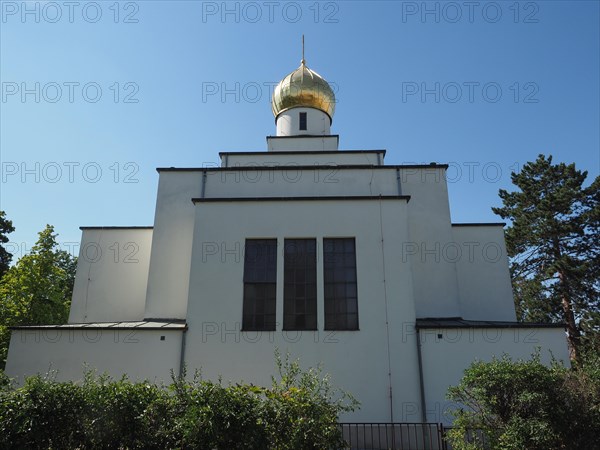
(526, 405)
(37, 289)
(299, 411)
(6, 227)
(554, 243)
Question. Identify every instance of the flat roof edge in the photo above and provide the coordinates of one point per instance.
(141, 325)
(314, 167)
(135, 227)
(303, 198)
(438, 324)
(303, 152)
(480, 224)
(300, 136)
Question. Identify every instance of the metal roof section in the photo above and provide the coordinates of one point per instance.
(143, 325)
(458, 322)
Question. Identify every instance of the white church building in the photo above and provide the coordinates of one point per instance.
(327, 254)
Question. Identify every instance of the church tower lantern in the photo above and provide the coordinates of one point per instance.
(303, 103)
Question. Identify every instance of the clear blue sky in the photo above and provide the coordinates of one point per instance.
(512, 79)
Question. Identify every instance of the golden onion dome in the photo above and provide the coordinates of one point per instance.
(303, 88)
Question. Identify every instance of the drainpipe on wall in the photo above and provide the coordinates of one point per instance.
(203, 184)
(182, 352)
(387, 323)
(421, 383)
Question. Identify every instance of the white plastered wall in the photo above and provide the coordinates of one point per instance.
(169, 270)
(435, 277)
(483, 274)
(293, 181)
(321, 158)
(139, 353)
(445, 359)
(317, 122)
(112, 274)
(357, 360)
(302, 143)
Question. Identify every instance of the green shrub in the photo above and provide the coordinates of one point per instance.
(527, 405)
(42, 414)
(299, 410)
(209, 415)
(303, 409)
(125, 414)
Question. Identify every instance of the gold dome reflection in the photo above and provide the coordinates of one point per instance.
(303, 88)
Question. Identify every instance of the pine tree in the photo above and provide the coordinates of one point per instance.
(554, 243)
(6, 227)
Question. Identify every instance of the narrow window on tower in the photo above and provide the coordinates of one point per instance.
(302, 121)
(341, 301)
(300, 284)
(260, 273)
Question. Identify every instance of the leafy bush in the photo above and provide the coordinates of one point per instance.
(527, 405)
(303, 409)
(299, 410)
(124, 414)
(41, 414)
(209, 415)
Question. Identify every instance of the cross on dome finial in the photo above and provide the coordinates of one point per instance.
(303, 88)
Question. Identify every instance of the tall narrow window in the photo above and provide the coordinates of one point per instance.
(302, 121)
(341, 301)
(260, 272)
(300, 284)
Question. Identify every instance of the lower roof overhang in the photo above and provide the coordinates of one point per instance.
(171, 325)
(458, 322)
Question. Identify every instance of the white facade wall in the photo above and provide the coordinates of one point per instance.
(357, 360)
(317, 122)
(317, 158)
(445, 359)
(139, 353)
(302, 143)
(483, 273)
(169, 270)
(434, 277)
(303, 180)
(191, 267)
(112, 275)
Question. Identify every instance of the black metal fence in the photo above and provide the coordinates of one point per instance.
(395, 436)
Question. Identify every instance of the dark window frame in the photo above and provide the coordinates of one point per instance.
(340, 284)
(260, 285)
(303, 118)
(300, 284)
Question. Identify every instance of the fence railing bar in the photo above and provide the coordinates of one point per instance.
(402, 436)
